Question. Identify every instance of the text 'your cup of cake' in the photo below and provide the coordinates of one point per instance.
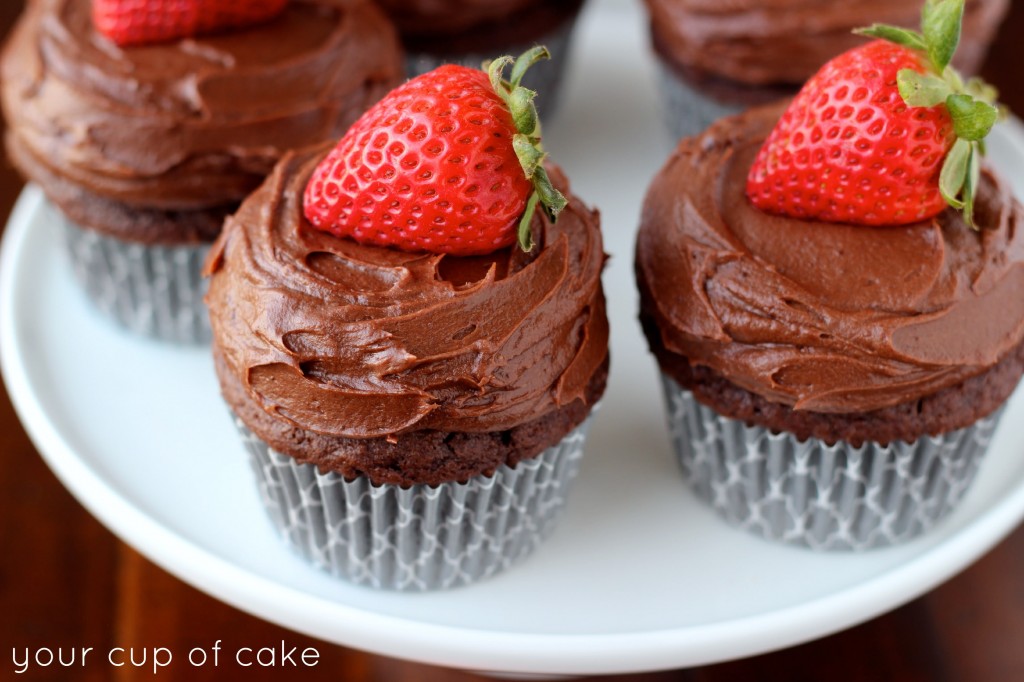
(832, 291)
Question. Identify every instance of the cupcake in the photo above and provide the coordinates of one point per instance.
(144, 149)
(719, 58)
(467, 32)
(835, 342)
(413, 388)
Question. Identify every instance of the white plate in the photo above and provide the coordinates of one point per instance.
(639, 576)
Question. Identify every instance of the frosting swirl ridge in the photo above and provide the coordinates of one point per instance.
(193, 123)
(823, 317)
(364, 342)
(777, 42)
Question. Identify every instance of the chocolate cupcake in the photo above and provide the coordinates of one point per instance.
(145, 149)
(719, 58)
(830, 385)
(470, 31)
(414, 418)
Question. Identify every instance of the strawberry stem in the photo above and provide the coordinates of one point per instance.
(527, 141)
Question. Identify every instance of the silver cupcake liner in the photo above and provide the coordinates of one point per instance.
(152, 290)
(544, 77)
(686, 110)
(827, 497)
(417, 538)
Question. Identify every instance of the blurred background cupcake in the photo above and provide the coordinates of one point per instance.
(145, 148)
(467, 32)
(719, 57)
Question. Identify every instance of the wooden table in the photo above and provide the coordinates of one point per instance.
(65, 581)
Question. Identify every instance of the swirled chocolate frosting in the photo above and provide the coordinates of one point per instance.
(414, 17)
(823, 317)
(193, 123)
(364, 342)
(776, 42)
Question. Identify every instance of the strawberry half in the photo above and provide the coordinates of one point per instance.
(138, 22)
(884, 134)
(449, 162)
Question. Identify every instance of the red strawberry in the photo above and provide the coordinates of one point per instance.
(136, 22)
(849, 149)
(884, 134)
(449, 162)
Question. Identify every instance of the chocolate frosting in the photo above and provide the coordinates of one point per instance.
(365, 342)
(194, 123)
(816, 316)
(772, 42)
(415, 17)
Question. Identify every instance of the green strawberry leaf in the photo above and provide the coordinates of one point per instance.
(894, 34)
(551, 199)
(940, 24)
(495, 71)
(960, 178)
(922, 89)
(524, 233)
(525, 61)
(524, 113)
(971, 186)
(530, 157)
(527, 140)
(954, 173)
(972, 119)
(971, 105)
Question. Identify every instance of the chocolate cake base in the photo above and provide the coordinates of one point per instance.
(418, 457)
(115, 219)
(418, 537)
(822, 496)
(950, 409)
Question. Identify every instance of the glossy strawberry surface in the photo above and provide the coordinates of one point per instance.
(849, 149)
(431, 167)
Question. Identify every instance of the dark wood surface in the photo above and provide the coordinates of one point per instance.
(65, 581)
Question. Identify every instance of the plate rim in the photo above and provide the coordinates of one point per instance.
(448, 645)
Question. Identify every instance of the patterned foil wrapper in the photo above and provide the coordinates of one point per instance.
(827, 497)
(545, 77)
(686, 111)
(152, 290)
(422, 537)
